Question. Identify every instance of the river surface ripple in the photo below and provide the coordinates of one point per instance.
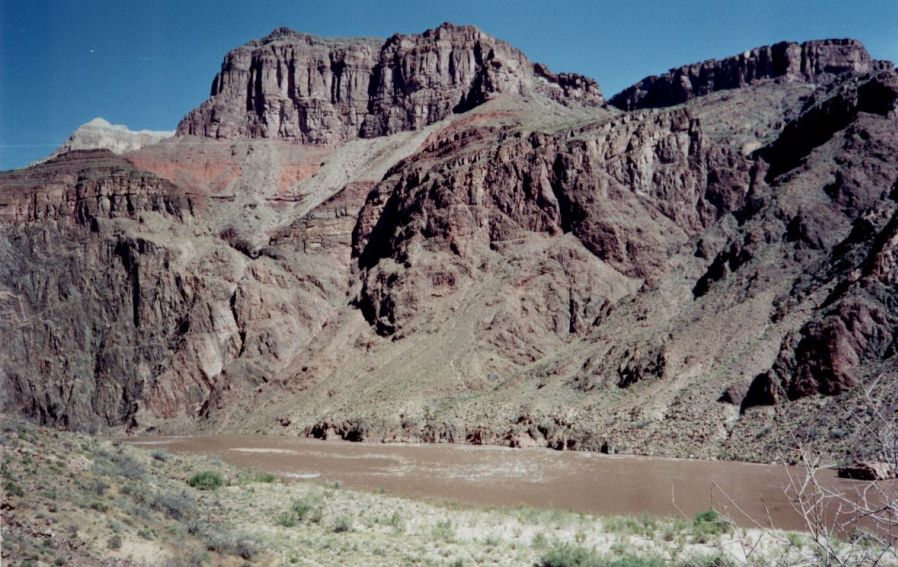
(608, 485)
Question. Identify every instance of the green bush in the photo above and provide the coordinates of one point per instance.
(708, 560)
(645, 525)
(539, 541)
(287, 520)
(299, 511)
(566, 555)
(631, 561)
(128, 467)
(99, 507)
(301, 508)
(99, 487)
(175, 506)
(396, 522)
(444, 530)
(342, 525)
(12, 489)
(206, 480)
(233, 544)
(115, 542)
(710, 523)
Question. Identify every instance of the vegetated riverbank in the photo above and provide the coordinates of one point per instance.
(73, 499)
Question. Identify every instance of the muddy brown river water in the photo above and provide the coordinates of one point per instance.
(578, 481)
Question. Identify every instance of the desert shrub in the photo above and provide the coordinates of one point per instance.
(300, 510)
(315, 514)
(128, 467)
(101, 460)
(99, 507)
(287, 519)
(645, 525)
(175, 506)
(160, 455)
(117, 465)
(633, 561)
(233, 544)
(206, 480)
(710, 523)
(10, 488)
(397, 522)
(708, 560)
(342, 525)
(566, 555)
(266, 478)
(114, 542)
(795, 540)
(444, 530)
(99, 486)
(193, 558)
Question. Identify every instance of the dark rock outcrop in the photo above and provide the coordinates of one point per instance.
(626, 189)
(811, 61)
(853, 327)
(868, 470)
(821, 119)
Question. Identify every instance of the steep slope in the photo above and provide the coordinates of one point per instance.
(433, 239)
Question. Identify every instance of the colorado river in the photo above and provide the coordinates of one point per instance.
(578, 481)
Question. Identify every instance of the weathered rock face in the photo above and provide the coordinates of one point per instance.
(81, 188)
(855, 326)
(300, 87)
(628, 188)
(828, 113)
(811, 61)
(453, 256)
(153, 311)
(106, 323)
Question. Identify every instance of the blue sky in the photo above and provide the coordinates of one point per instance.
(145, 64)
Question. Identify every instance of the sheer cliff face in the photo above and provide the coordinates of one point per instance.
(294, 86)
(468, 247)
(812, 61)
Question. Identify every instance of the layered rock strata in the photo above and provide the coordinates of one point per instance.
(811, 61)
(300, 87)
